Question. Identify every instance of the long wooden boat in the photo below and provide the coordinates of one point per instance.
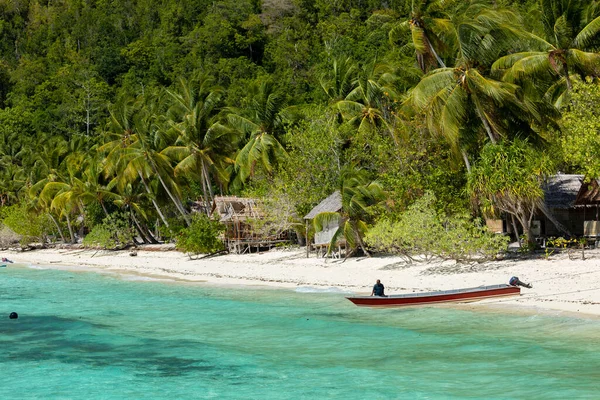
(443, 296)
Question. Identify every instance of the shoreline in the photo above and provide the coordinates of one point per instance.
(561, 286)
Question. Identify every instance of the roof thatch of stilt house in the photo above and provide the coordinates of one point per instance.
(233, 208)
(589, 194)
(561, 190)
(333, 203)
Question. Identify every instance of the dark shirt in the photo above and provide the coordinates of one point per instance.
(378, 289)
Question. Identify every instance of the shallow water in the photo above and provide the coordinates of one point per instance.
(86, 335)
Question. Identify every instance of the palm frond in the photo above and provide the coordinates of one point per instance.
(324, 219)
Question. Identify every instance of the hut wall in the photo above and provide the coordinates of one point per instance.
(324, 236)
(572, 219)
(495, 225)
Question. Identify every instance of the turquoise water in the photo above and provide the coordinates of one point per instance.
(86, 335)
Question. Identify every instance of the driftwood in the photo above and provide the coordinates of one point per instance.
(216, 253)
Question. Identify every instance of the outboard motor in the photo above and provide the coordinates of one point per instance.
(514, 281)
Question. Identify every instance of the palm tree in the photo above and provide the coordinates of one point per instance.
(432, 35)
(358, 197)
(571, 32)
(368, 106)
(339, 83)
(133, 202)
(12, 181)
(260, 123)
(460, 102)
(203, 146)
(131, 134)
(92, 187)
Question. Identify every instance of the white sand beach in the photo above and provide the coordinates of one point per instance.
(561, 284)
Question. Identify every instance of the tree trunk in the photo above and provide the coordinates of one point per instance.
(103, 207)
(144, 234)
(435, 54)
(175, 200)
(164, 220)
(487, 126)
(70, 229)
(361, 244)
(466, 160)
(57, 228)
(209, 186)
(205, 190)
(515, 228)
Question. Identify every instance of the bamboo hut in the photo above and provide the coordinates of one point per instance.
(240, 217)
(322, 238)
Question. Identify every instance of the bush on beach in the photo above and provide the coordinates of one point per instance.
(421, 232)
(201, 237)
(113, 233)
(29, 226)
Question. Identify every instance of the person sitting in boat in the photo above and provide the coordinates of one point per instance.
(378, 289)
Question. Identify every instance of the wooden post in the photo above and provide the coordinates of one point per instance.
(307, 241)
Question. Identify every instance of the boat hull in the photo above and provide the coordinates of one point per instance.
(447, 296)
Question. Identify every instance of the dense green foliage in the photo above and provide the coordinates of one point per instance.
(508, 179)
(422, 232)
(31, 227)
(113, 233)
(143, 107)
(201, 237)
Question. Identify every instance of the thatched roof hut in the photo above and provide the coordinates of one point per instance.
(322, 238)
(561, 191)
(589, 194)
(233, 208)
(333, 203)
(239, 215)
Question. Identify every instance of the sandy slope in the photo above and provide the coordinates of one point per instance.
(560, 284)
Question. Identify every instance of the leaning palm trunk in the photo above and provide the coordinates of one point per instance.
(154, 203)
(103, 207)
(146, 237)
(57, 227)
(207, 187)
(487, 126)
(70, 229)
(174, 199)
(359, 240)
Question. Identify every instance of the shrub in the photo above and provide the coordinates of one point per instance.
(114, 232)
(8, 237)
(201, 237)
(29, 225)
(423, 232)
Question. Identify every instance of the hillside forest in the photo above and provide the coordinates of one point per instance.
(128, 117)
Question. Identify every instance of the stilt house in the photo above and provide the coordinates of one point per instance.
(322, 238)
(240, 217)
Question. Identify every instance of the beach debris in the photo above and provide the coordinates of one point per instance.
(13, 315)
(133, 253)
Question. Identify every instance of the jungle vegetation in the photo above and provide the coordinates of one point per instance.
(132, 112)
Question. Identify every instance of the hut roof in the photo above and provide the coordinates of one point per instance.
(233, 208)
(333, 203)
(589, 194)
(560, 191)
